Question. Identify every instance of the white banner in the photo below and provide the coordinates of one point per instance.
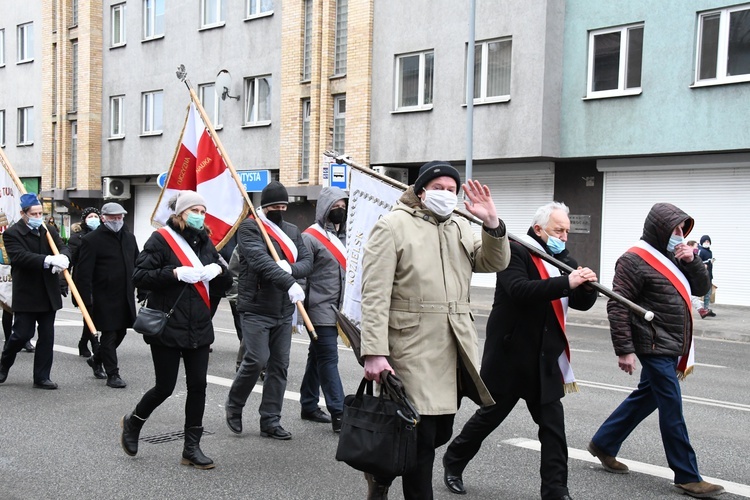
(10, 208)
(369, 199)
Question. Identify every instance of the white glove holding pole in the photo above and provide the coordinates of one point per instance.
(285, 266)
(188, 274)
(296, 294)
(210, 271)
(61, 261)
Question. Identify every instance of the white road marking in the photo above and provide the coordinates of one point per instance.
(634, 466)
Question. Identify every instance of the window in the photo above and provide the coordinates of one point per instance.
(258, 100)
(724, 46)
(153, 19)
(115, 116)
(2, 48)
(211, 103)
(259, 7)
(25, 42)
(74, 77)
(307, 51)
(74, 13)
(342, 14)
(615, 57)
(118, 25)
(212, 12)
(2, 128)
(492, 60)
(25, 126)
(151, 110)
(73, 153)
(414, 85)
(339, 122)
(305, 174)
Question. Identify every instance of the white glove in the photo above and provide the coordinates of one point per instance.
(188, 274)
(296, 294)
(210, 271)
(58, 260)
(285, 266)
(56, 269)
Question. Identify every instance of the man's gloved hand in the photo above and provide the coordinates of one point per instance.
(210, 271)
(296, 294)
(285, 266)
(188, 274)
(58, 260)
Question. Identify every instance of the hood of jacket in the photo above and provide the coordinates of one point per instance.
(661, 221)
(328, 196)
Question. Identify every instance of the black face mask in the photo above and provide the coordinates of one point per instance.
(275, 216)
(337, 215)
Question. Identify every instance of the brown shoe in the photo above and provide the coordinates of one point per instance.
(609, 463)
(375, 490)
(701, 489)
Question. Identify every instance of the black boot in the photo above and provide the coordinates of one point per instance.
(83, 349)
(192, 454)
(131, 429)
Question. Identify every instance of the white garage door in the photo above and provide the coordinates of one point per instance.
(717, 198)
(146, 197)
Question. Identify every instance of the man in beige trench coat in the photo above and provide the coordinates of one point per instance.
(417, 270)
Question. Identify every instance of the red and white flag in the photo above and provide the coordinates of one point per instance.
(199, 166)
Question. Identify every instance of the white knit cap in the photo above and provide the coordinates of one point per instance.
(184, 200)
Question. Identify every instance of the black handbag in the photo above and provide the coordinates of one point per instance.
(151, 322)
(379, 433)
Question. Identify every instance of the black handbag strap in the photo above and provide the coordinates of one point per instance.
(392, 387)
(171, 310)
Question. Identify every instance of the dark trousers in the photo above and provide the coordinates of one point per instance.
(551, 421)
(432, 432)
(658, 389)
(86, 337)
(166, 368)
(322, 370)
(23, 331)
(7, 324)
(109, 341)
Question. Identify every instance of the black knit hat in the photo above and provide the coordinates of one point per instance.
(433, 170)
(705, 238)
(88, 211)
(274, 194)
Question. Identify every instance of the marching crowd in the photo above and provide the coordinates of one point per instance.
(416, 318)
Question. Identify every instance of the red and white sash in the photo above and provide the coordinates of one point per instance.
(187, 257)
(330, 241)
(669, 270)
(560, 306)
(285, 242)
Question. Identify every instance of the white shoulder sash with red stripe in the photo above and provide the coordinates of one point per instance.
(560, 306)
(669, 270)
(187, 257)
(330, 241)
(285, 242)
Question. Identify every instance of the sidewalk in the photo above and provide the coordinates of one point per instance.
(730, 323)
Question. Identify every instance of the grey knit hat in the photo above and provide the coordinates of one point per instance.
(184, 200)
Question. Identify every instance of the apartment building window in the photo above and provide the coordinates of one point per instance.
(724, 46)
(153, 19)
(339, 123)
(414, 85)
(342, 15)
(74, 13)
(152, 112)
(2, 128)
(25, 126)
(615, 57)
(258, 100)
(212, 13)
(257, 8)
(2, 48)
(73, 153)
(307, 49)
(211, 103)
(74, 77)
(25, 42)
(492, 63)
(116, 109)
(305, 174)
(118, 25)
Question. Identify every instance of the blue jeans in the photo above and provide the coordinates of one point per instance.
(658, 389)
(322, 370)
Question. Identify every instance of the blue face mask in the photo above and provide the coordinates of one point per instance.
(35, 222)
(674, 240)
(93, 223)
(195, 220)
(555, 245)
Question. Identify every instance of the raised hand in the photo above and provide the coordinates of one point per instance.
(480, 203)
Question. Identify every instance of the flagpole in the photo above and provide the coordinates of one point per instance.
(53, 246)
(182, 75)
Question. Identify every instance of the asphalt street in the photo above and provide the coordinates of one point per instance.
(65, 443)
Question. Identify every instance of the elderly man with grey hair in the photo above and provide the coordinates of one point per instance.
(526, 355)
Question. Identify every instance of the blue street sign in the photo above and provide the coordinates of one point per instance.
(254, 180)
(161, 180)
(339, 176)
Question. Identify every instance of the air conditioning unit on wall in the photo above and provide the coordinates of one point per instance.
(115, 189)
(398, 173)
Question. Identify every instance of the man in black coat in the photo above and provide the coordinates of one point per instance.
(103, 276)
(526, 355)
(36, 289)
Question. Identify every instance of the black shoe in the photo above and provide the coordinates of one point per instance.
(115, 382)
(28, 347)
(455, 484)
(45, 384)
(83, 349)
(317, 415)
(3, 374)
(234, 421)
(565, 497)
(336, 423)
(711, 313)
(131, 430)
(277, 432)
(97, 367)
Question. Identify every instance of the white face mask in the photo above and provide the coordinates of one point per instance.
(114, 225)
(441, 202)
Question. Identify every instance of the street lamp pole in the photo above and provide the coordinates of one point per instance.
(470, 92)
